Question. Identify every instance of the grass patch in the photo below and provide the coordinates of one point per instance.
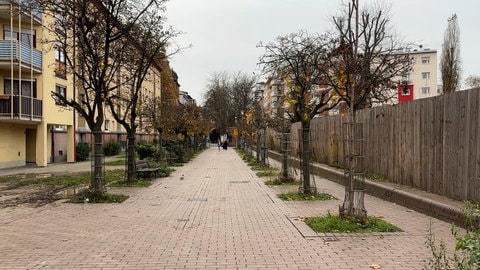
(296, 196)
(259, 167)
(267, 173)
(281, 182)
(334, 224)
(10, 178)
(138, 183)
(68, 180)
(376, 177)
(118, 162)
(88, 197)
(59, 180)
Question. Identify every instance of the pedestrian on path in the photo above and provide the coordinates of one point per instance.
(225, 144)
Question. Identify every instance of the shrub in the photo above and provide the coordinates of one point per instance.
(163, 170)
(467, 249)
(112, 148)
(145, 149)
(83, 151)
(178, 150)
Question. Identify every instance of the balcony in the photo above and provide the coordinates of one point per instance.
(20, 108)
(30, 10)
(21, 55)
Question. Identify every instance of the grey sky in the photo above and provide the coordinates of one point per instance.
(224, 33)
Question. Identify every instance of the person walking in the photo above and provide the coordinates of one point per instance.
(225, 144)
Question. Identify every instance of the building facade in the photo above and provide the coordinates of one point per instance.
(421, 81)
(35, 128)
(29, 71)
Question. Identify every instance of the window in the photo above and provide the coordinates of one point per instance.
(426, 60)
(426, 75)
(60, 90)
(28, 87)
(405, 91)
(107, 125)
(25, 36)
(60, 66)
(425, 90)
(406, 77)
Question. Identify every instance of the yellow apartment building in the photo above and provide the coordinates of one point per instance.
(29, 71)
(34, 128)
(114, 131)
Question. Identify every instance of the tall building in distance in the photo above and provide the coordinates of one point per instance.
(421, 81)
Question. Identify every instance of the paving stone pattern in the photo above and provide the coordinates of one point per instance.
(219, 216)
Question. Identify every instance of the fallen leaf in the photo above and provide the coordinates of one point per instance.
(375, 266)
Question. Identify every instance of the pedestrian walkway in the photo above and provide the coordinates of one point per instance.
(219, 215)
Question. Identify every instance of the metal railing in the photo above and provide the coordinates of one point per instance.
(21, 53)
(21, 107)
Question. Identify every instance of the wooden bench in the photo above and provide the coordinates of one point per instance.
(143, 171)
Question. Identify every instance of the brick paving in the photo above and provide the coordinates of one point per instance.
(219, 216)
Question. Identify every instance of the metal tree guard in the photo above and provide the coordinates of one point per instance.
(354, 173)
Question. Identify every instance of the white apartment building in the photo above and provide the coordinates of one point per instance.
(421, 81)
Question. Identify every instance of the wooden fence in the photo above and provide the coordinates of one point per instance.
(431, 144)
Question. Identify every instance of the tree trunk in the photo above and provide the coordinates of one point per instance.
(161, 154)
(263, 152)
(305, 159)
(353, 205)
(285, 156)
(259, 141)
(97, 184)
(131, 157)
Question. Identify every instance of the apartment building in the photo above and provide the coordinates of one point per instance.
(113, 130)
(34, 127)
(185, 99)
(421, 81)
(29, 71)
(273, 93)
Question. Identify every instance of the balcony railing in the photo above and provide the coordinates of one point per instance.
(20, 53)
(21, 108)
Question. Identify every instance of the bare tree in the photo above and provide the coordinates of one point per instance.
(365, 63)
(242, 86)
(451, 63)
(227, 97)
(299, 59)
(218, 101)
(146, 51)
(473, 81)
(92, 35)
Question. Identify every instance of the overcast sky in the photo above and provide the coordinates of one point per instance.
(224, 33)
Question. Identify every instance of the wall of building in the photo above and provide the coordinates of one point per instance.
(421, 66)
(12, 145)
